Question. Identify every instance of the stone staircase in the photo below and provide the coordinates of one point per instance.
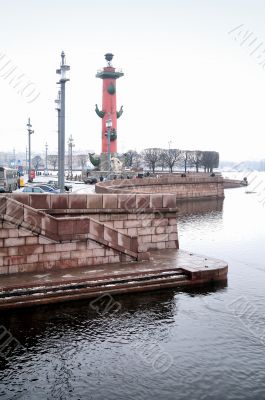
(35, 293)
(68, 228)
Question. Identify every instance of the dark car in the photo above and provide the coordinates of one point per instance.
(91, 180)
(67, 187)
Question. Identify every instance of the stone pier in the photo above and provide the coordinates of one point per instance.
(192, 186)
(71, 246)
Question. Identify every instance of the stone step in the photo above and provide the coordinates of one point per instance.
(38, 295)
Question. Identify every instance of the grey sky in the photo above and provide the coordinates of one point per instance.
(187, 81)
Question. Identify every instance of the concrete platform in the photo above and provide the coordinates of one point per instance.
(167, 268)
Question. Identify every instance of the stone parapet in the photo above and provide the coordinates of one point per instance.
(105, 203)
(191, 186)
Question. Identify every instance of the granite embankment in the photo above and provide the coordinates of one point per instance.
(184, 187)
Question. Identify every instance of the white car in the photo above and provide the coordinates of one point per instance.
(32, 189)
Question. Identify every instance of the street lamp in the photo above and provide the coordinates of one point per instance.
(46, 158)
(70, 156)
(58, 109)
(30, 131)
(62, 72)
(108, 127)
(26, 159)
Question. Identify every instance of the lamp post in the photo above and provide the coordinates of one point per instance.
(70, 156)
(46, 158)
(58, 108)
(26, 159)
(108, 127)
(30, 131)
(62, 72)
(14, 157)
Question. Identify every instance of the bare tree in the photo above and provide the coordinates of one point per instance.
(162, 161)
(187, 159)
(138, 161)
(196, 159)
(151, 157)
(129, 158)
(82, 160)
(53, 160)
(210, 160)
(36, 162)
(171, 157)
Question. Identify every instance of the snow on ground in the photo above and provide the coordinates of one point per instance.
(77, 186)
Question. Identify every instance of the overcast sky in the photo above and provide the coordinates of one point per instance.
(187, 80)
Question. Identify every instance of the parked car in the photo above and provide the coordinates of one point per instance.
(67, 186)
(32, 189)
(91, 180)
(49, 188)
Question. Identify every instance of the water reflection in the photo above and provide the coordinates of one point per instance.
(50, 323)
(63, 340)
(200, 206)
(197, 220)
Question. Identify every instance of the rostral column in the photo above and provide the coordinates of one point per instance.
(109, 76)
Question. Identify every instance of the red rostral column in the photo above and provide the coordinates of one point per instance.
(109, 76)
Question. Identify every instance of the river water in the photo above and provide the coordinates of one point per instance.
(207, 343)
